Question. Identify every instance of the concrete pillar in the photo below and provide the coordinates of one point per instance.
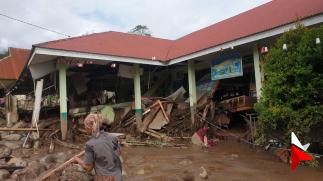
(63, 99)
(256, 63)
(137, 90)
(192, 89)
(8, 109)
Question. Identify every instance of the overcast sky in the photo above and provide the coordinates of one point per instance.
(168, 19)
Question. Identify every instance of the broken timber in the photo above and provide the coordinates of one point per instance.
(23, 129)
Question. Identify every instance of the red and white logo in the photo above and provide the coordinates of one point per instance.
(299, 152)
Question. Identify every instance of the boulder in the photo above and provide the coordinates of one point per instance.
(52, 160)
(18, 162)
(75, 172)
(5, 152)
(13, 145)
(31, 172)
(12, 137)
(4, 174)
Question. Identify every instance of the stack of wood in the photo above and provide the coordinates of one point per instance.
(166, 118)
(162, 118)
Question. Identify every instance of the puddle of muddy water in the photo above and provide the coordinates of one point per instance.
(228, 161)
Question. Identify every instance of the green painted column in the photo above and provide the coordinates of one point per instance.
(63, 99)
(137, 90)
(192, 89)
(256, 64)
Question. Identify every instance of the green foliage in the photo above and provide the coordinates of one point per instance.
(3, 54)
(141, 30)
(292, 93)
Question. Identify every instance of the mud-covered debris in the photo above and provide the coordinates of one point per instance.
(4, 174)
(75, 172)
(5, 152)
(18, 162)
(32, 171)
(13, 144)
(53, 160)
(12, 137)
(203, 174)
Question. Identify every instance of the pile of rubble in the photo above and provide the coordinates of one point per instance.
(169, 118)
(24, 168)
(19, 142)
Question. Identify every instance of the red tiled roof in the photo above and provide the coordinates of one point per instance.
(12, 65)
(265, 17)
(114, 43)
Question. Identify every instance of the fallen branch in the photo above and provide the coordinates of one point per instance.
(11, 168)
(68, 145)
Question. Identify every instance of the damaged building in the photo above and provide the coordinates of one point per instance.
(211, 74)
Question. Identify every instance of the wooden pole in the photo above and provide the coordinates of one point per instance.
(24, 129)
(59, 168)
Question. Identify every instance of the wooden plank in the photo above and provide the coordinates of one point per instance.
(163, 110)
(38, 95)
(147, 120)
(153, 134)
(24, 129)
(158, 122)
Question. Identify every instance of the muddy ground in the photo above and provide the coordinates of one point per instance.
(228, 161)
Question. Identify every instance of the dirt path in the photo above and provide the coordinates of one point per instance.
(228, 161)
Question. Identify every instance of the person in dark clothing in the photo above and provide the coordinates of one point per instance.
(102, 151)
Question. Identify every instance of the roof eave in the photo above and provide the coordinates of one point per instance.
(309, 21)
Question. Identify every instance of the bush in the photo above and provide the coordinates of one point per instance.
(292, 91)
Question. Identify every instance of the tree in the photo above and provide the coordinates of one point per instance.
(141, 30)
(292, 94)
(4, 54)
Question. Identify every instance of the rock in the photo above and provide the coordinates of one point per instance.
(204, 173)
(4, 174)
(27, 145)
(36, 144)
(10, 179)
(18, 162)
(12, 137)
(140, 172)
(282, 154)
(5, 152)
(31, 172)
(188, 176)
(52, 160)
(75, 172)
(61, 157)
(234, 156)
(185, 162)
(13, 145)
(4, 133)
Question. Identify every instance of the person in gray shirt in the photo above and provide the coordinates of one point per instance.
(102, 151)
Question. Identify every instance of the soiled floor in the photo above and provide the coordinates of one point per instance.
(228, 161)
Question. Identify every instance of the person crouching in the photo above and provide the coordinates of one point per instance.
(102, 151)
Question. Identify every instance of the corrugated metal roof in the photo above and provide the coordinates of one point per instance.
(12, 65)
(265, 17)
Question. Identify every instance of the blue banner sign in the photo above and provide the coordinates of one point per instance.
(226, 67)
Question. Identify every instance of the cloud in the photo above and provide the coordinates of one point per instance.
(169, 19)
